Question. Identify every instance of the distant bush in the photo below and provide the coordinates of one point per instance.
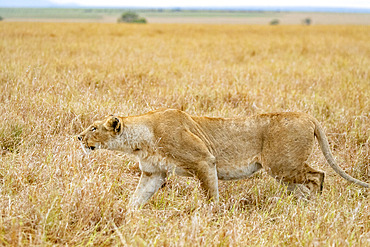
(131, 17)
(307, 21)
(1, 18)
(274, 22)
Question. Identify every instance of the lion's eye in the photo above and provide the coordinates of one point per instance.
(93, 129)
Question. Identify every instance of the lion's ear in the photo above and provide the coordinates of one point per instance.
(113, 123)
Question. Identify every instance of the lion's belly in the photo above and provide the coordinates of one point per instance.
(224, 173)
(237, 161)
(237, 172)
(229, 167)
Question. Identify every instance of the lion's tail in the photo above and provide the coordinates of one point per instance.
(324, 145)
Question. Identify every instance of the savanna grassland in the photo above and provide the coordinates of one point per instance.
(55, 79)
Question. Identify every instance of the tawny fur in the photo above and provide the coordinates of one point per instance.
(172, 141)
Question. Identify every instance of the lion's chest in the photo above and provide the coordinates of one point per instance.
(156, 163)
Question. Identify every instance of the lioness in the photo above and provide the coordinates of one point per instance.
(170, 140)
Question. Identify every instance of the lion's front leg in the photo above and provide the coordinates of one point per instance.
(149, 184)
(207, 175)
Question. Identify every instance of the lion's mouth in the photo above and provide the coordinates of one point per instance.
(87, 149)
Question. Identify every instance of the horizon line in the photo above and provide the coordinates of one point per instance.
(218, 8)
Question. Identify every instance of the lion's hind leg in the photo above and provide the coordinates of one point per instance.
(314, 179)
(300, 191)
(305, 183)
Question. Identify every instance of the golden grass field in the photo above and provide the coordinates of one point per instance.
(55, 79)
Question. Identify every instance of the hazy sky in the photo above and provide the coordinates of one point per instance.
(222, 3)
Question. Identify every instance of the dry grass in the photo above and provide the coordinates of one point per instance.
(56, 78)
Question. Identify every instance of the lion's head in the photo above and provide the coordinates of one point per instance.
(100, 134)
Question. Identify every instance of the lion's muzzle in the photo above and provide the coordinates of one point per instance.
(85, 146)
